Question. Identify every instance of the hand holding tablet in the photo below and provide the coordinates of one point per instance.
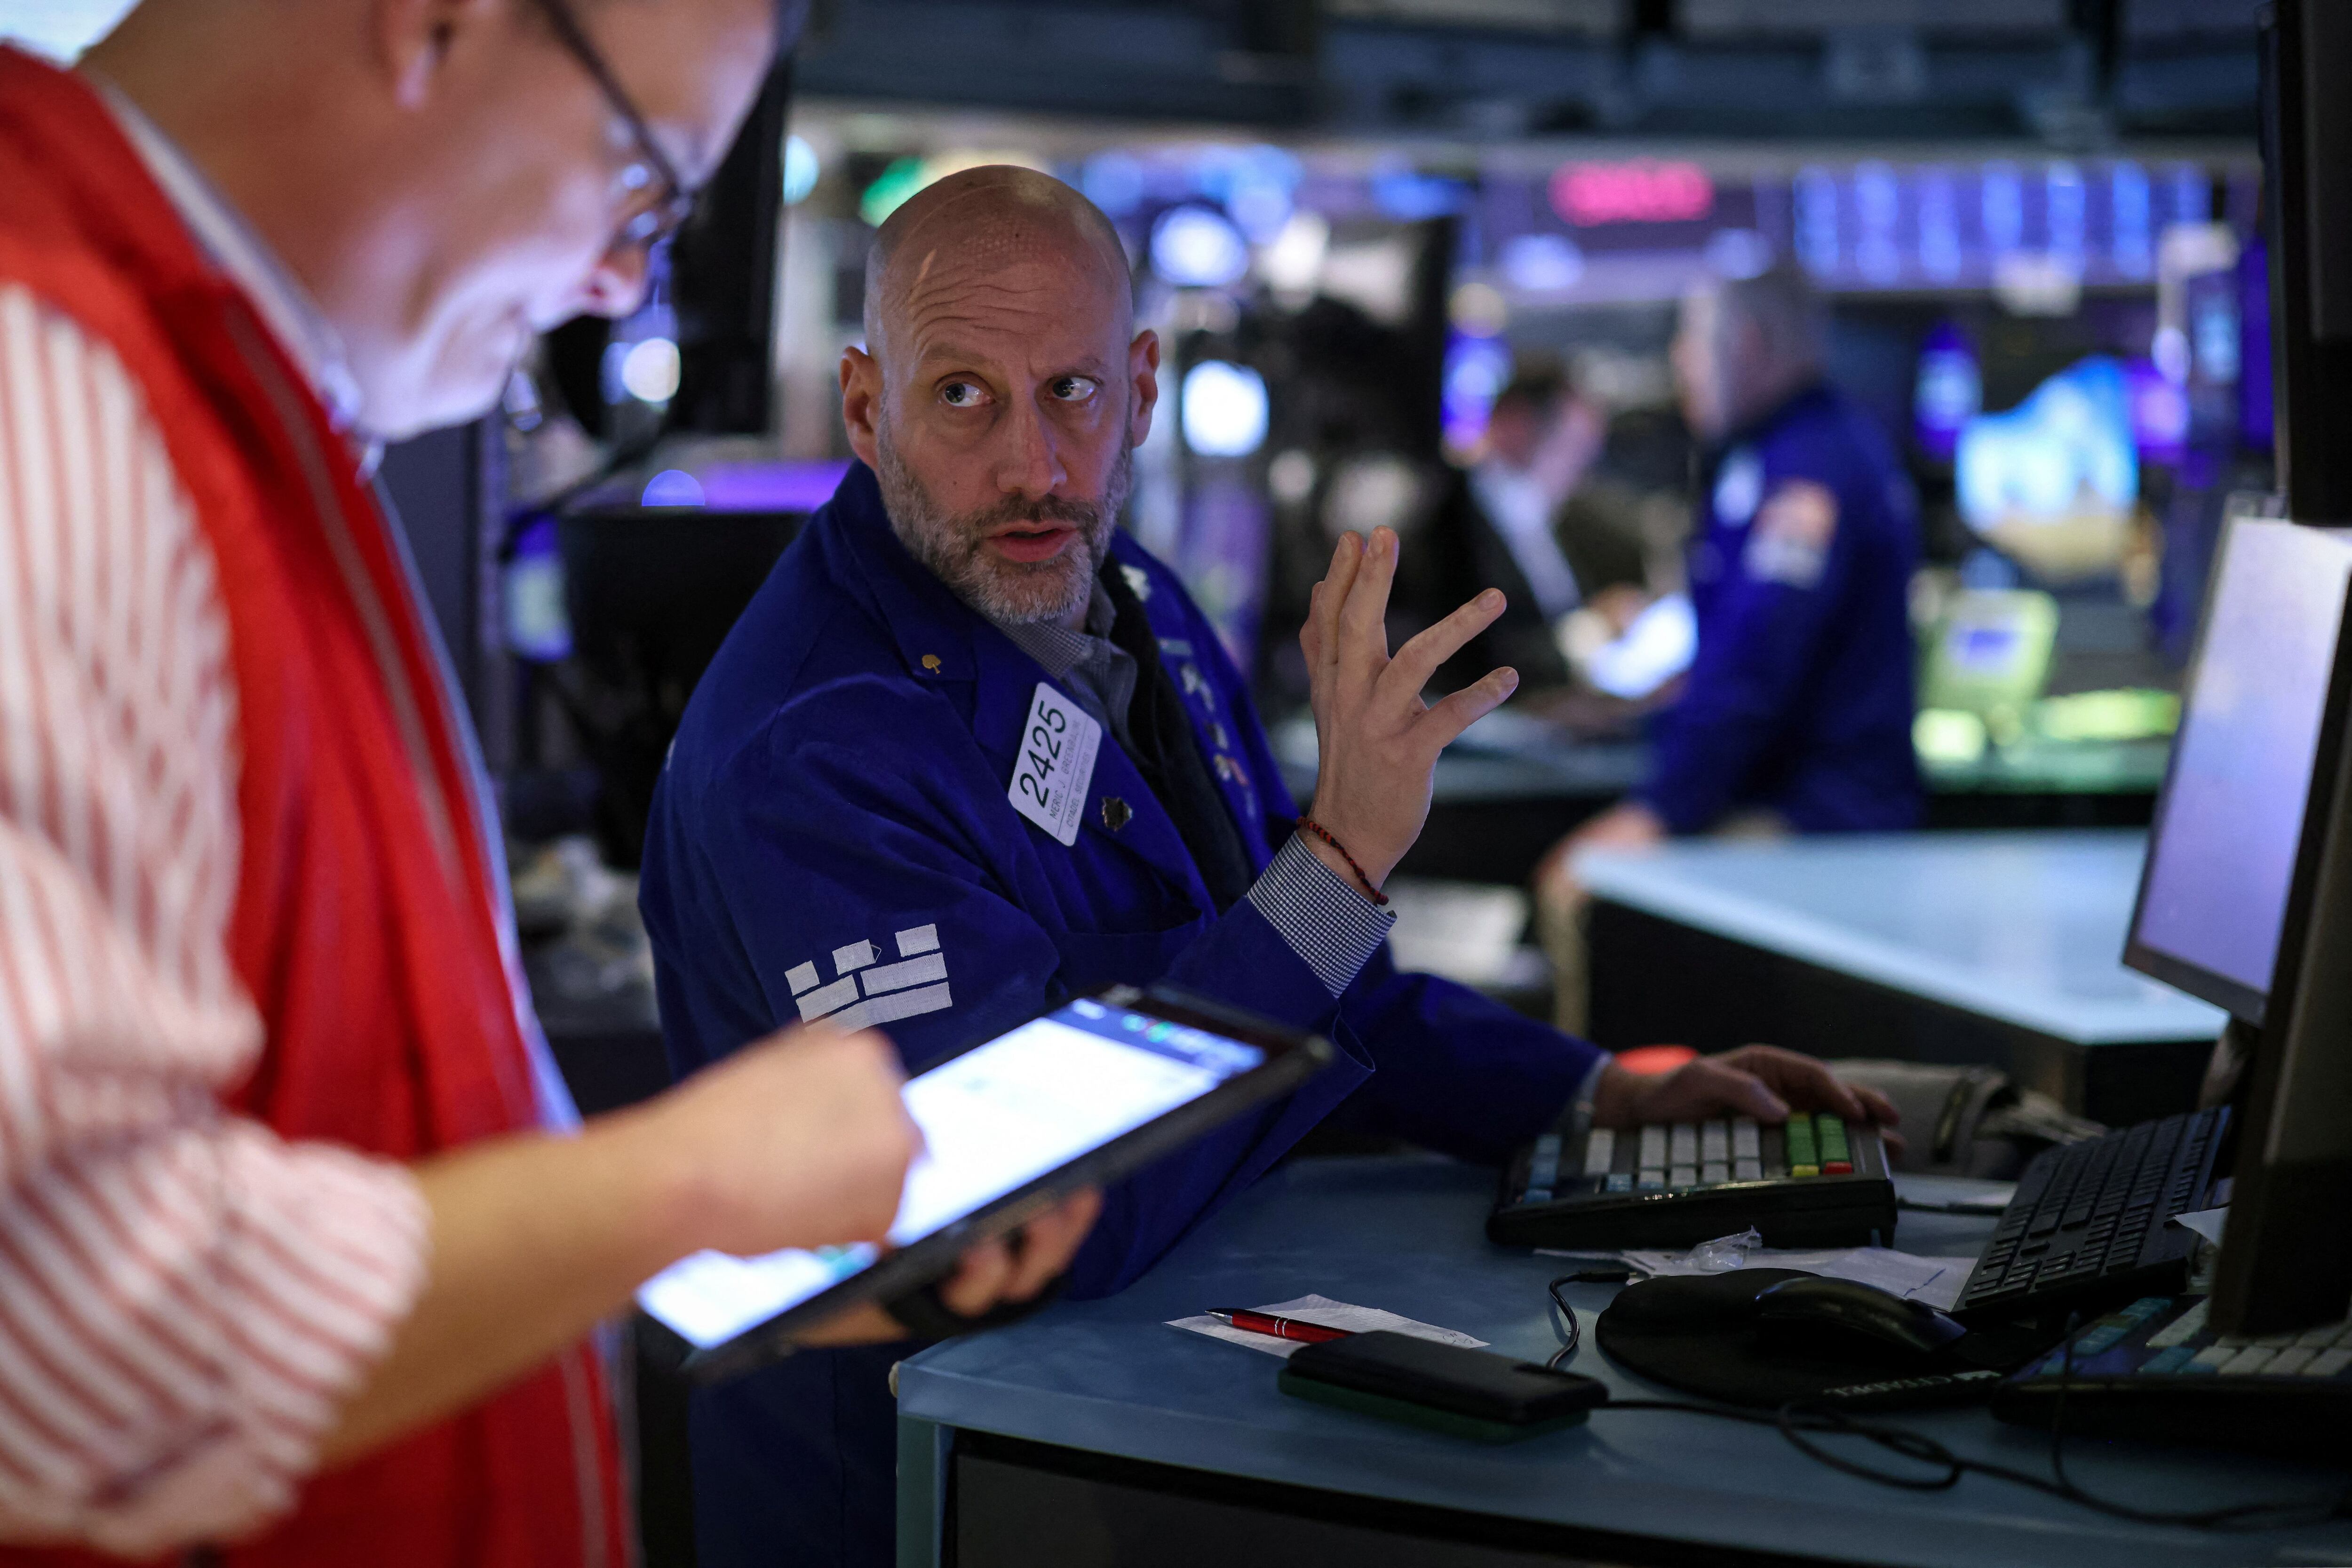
(1014, 1132)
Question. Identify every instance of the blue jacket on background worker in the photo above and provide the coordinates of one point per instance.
(832, 833)
(1800, 700)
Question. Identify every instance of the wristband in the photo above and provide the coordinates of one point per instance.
(1308, 824)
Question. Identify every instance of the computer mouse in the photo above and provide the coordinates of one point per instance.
(1698, 1301)
(1845, 1318)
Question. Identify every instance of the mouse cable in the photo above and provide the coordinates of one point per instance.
(1799, 1423)
(1571, 1333)
(1564, 1322)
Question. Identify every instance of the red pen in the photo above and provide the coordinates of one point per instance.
(1280, 1328)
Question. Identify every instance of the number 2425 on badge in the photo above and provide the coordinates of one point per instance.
(1054, 764)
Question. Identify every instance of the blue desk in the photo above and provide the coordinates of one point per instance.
(1095, 1434)
(2000, 947)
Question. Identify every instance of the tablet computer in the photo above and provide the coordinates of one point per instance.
(1079, 1096)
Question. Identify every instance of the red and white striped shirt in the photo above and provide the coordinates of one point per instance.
(186, 1299)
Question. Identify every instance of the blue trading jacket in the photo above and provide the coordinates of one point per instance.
(832, 831)
(1800, 698)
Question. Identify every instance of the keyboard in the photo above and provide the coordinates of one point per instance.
(2088, 1225)
(1810, 1182)
(2154, 1370)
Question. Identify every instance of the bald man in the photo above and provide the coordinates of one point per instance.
(300, 1241)
(971, 751)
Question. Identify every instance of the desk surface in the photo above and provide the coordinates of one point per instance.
(1405, 1234)
(2027, 928)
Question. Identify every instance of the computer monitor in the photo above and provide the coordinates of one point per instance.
(2229, 826)
(2246, 900)
(2284, 1265)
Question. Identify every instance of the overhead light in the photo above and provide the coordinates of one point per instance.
(1197, 248)
(1291, 477)
(1224, 409)
(1644, 191)
(1409, 195)
(1542, 263)
(801, 170)
(650, 370)
(1295, 261)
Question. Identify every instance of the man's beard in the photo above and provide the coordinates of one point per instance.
(1011, 593)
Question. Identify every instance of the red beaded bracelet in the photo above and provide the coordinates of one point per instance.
(1308, 824)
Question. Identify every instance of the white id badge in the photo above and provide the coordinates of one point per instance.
(1056, 764)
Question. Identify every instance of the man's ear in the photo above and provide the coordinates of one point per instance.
(1143, 373)
(413, 40)
(861, 403)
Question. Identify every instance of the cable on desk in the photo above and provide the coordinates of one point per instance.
(1564, 1322)
(1571, 1331)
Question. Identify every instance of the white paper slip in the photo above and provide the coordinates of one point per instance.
(2206, 1223)
(1935, 1280)
(1056, 764)
(1330, 1314)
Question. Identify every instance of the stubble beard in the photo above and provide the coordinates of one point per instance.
(955, 548)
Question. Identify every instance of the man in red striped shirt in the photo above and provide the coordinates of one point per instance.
(296, 1261)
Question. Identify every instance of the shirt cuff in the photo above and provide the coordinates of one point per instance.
(1326, 921)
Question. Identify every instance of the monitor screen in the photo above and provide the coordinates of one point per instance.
(2213, 891)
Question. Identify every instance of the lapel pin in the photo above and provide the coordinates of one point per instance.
(931, 662)
(1115, 814)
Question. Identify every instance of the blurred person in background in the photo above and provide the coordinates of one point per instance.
(1796, 714)
(1504, 512)
(300, 1242)
(1537, 516)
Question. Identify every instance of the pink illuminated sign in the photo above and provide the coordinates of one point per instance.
(1645, 191)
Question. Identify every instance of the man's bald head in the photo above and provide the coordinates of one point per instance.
(964, 230)
(1002, 388)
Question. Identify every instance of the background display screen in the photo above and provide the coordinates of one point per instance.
(994, 1120)
(2223, 855)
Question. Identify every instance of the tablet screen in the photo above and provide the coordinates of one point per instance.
(994, 1120)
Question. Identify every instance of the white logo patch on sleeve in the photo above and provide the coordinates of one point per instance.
(868, 992)
(1056, 764)
(1794, 530)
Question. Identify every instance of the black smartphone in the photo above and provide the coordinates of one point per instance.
(1077, 1097)
(1450, 1388)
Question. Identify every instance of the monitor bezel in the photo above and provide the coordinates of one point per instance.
(2240, 1000)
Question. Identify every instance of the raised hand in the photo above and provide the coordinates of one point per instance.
(1379, 739)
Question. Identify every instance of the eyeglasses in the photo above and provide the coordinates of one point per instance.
(658, 221)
